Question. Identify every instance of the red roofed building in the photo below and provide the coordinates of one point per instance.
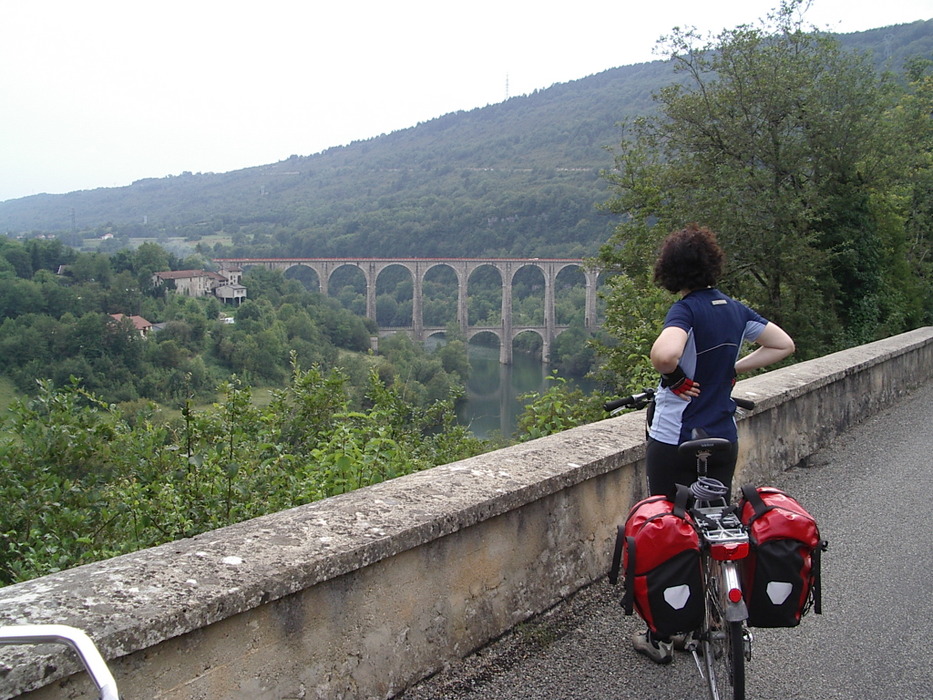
(139, 323)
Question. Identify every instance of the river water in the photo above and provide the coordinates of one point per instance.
(492, 404)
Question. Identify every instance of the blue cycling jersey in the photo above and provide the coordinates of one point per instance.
(716, 327)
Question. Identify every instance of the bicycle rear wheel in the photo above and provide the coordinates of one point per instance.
(722, 644)
(724, 657)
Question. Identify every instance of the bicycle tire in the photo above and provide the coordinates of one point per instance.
(725, 662)
(723, 647)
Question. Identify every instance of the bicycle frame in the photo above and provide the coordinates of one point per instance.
(725, 639)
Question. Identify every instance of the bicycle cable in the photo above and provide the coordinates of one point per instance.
(706, 488)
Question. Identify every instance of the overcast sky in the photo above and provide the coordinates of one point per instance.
(98, 93)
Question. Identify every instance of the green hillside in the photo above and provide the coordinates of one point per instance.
(517, 178)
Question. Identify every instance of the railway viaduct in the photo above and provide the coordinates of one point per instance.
(463, 268)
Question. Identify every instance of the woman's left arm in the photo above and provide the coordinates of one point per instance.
(775, 344)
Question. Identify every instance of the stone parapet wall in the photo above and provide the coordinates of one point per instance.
(363, 594)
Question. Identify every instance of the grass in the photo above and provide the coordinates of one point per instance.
(8, 394)
(180, 242)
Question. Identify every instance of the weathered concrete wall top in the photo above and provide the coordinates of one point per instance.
(130, 605)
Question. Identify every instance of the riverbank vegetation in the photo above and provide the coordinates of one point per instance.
(83, 480)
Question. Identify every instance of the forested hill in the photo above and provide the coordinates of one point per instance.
(517, 178)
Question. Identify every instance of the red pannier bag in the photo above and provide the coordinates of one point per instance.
(781, 577)
(658, 549)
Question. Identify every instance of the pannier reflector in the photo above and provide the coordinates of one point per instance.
(779, 591)
(677, 596)
(728, 551)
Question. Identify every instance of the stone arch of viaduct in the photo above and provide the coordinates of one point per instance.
(463, 268)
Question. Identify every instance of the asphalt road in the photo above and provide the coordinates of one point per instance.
(872, 494)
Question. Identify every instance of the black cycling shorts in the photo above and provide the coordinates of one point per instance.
(666, 467)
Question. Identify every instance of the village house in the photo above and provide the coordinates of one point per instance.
(225, 285)
(139, 323)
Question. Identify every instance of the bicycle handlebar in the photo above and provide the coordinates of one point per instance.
(636, 401)
(640, 400)
(63, 634)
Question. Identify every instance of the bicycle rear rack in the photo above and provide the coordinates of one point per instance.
(722, 531)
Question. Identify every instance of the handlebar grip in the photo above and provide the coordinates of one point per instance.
(636, 401)
(744, 403)
(610, 406)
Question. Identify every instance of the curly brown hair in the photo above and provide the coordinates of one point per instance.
(690, 259)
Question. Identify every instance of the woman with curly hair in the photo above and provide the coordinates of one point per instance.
(697, 354)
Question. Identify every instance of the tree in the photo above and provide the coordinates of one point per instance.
(58, 297)
(17, 257)
(151, 258)
(571, 352)
(915, 120)
(780, 141)
(18, 297)
(124, 295)
(92, 267)
(48, 254)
